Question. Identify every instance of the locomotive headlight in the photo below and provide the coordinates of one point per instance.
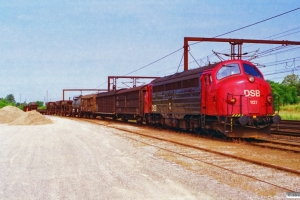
(269, 99)
(251, 79)
(231, 100)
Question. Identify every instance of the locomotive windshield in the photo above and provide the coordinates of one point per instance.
(228, 70)
(251, 70)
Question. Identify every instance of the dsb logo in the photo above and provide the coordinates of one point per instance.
(252, 93)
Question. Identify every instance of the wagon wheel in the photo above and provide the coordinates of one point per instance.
(222, 135)
(140, 121)
(211, 133)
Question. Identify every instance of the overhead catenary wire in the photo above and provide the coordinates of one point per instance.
(282, 61)
(253, 24)
(213, 37)
(227, 50)
(148, 64)
(271, 36)
(221, 35)
(270, 53)
(153, 62)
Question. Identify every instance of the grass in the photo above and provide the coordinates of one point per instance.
(290, 112)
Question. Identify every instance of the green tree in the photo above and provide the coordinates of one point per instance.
(292, 80)
(39, 103)
(10, 99)
(277, 93)
(284, 93)
(3, 103)
(290, 94)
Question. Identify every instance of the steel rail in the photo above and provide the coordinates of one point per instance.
(267, 144)
(203, 149)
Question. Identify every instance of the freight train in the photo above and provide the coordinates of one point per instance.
(229, 98)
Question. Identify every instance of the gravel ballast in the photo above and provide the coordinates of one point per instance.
(75, 160)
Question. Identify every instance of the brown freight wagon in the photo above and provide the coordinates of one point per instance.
(51, 108)
(130, 104)
(124, 104)
(30, 106)
(105, 105)
(88, 106)
(64, 108)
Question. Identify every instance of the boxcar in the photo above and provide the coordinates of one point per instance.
(51, 108)
(64, 108)
(88, 105)
(105, 104)
(124, 104)
(130, 103)
(30, 106)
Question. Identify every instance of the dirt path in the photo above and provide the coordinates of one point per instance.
(73, 160)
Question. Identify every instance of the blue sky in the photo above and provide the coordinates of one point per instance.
(47, 46)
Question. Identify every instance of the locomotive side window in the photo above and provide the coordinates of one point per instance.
(251, 70)
(228, 70)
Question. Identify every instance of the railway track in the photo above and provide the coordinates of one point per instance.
(179, 147)
(281, 143)
(287, 128)
(276, 144)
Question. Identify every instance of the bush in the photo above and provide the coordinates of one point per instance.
(3, 103)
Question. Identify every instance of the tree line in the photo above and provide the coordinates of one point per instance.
(286, 92)
(9, 100)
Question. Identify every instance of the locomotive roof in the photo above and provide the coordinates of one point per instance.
(189, 74)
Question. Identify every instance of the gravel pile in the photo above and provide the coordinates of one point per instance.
(14, 116)
(9, 114)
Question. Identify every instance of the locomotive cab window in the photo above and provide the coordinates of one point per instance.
(228, 70)
(251, 70)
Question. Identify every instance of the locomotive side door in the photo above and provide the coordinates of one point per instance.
(205, 91)
(203, 95)
(208, 104)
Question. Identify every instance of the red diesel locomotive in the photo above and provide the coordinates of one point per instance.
(230, 98)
